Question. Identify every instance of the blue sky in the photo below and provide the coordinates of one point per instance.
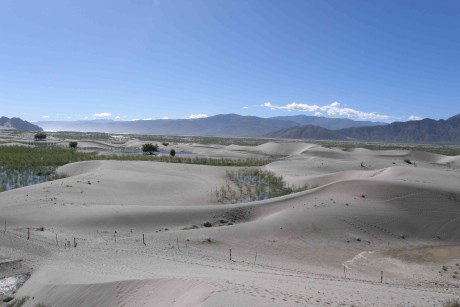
(141, 59)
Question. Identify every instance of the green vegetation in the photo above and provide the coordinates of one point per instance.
(167, 139)
(27, 165)
(150, 148)
(253, 184)
(73, 144)
(22, 166)
(40, 137)
(451, 303)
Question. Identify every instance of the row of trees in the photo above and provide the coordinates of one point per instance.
(42, 136)
(149, 148)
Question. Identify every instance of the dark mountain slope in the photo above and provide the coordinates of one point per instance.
(219, 125)
(307, 132)
(417, 131)
(328, 123)
(17, 124)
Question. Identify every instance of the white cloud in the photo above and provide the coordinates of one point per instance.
(147, 118)
(165, 117)
(319, 114)
(245, 107)
(45, 116)
(117, 117)
(195, 116)
(415, 117)
(333, 109)
(103, 114)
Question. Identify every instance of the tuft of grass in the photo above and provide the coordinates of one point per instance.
(207, 224)
(18, 302)
(253, 184)
(451, 303)
(56, 176)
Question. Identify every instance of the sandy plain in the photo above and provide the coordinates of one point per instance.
(374, 231)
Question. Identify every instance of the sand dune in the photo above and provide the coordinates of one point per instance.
(284, 149)
(141, 239)
(86, 144)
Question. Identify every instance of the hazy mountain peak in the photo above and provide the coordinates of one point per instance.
(17, 124)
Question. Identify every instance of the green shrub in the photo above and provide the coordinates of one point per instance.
(40, 136)
(150, 148)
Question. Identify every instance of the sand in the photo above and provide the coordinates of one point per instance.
(141, 239)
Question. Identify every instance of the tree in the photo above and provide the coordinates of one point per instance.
(40, 136)
(172, 152)
(150, 148)
(165, 144)
(73, 145)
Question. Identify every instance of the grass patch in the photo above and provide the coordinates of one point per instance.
(18, 302)
(167, 139)
(23, 166)
(253, 184)
(451, 303)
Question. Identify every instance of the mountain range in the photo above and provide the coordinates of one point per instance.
(416, 131)
(218, 125)
(283, 127)
(16, 123)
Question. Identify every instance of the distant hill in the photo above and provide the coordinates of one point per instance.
(16, 123)
(308, 132)
(218, 125)
(328, 123)
(417, 131)
(289, 127)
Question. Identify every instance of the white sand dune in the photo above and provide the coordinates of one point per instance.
(141, 240)
(284, 149)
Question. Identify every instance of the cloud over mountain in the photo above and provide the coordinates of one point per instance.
(103, 114)
(333, 109)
